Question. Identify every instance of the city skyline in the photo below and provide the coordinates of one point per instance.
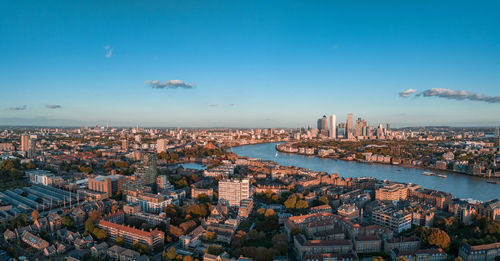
(246, 64)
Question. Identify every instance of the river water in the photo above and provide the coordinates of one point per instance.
(460, 185)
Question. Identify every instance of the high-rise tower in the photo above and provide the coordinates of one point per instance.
(349, 126)
(333, 127)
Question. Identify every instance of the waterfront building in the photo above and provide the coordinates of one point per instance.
(392, 192)
(234, 191)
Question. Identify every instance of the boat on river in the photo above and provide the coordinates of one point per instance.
(427, 173)
(442, 176)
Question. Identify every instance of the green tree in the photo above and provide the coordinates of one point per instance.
(210, 235)
(291, 201)
(100, 234)
(68, 221)
(171, 253)
(35, 215)
(203, 198)
(269, 213)
(120, 241)
(324, 200)
(89, 225)
(301, 204)
(435, 237)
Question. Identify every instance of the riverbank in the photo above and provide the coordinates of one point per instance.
(444, 171)
(461, 186)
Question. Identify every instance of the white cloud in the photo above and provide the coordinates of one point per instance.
(172, 84)
(407, 93)
(108, 51)
(459, 95)
(18, 108)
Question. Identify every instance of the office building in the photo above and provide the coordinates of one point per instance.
(319, 123)
(333, 127)
(234, 191)
(324, 123)
(110, 185)
(349, 126)
(161, 145)
(390, 217)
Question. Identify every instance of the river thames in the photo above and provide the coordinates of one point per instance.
(460, 185)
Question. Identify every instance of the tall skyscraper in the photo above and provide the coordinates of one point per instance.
(349, 126)
(319, 123)
(324, 123)
(27, 145)
(234, 191)
(358, 129)
(333, 127)
(161, 145)
(148, 173)
(25, 142)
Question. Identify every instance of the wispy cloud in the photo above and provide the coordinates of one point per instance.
(19, 108)
(108, 51)
(53, 106)
(459, 95)
(407, 93)
(452, 95)
(172, 84)
(231, 104)
(213, 105)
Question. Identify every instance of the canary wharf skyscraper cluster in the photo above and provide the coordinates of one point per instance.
(329, 128)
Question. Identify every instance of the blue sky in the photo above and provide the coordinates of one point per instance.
(252, 63)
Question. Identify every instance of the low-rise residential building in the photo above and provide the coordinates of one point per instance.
(433, 254)
(481, 252)
(304, 246)
(367, 244)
